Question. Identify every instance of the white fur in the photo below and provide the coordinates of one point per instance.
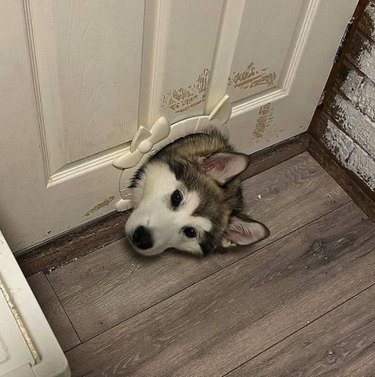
(152, 203)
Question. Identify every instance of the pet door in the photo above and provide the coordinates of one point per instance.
(28, 347)
(147, 142)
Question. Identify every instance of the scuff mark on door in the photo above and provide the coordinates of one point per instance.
(105, 203)
(265, 118)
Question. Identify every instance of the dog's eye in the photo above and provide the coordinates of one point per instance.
(176, 198)
(190, 232)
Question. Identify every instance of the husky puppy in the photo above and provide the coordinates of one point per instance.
(188, 197)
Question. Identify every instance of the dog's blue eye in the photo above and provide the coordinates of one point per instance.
(176, 198)
(190, 232)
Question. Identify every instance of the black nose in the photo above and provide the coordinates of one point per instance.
(142, 238)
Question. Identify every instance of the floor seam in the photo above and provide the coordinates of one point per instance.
(63, 308)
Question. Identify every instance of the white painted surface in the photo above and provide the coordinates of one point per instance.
(226, 44)
(78, 78)
(370, 14)
(86, 81)
(338, 142)
(263, 45)
(350, 132)
(28, 346)
(350, 154)
(13, 348)
(356, 124)
(364, 55)
(307, 65)
(360, 90)
(179, 41)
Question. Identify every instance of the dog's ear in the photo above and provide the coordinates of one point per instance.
(223, 167)
(243, 231)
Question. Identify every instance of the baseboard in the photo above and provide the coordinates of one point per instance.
(275, 154)
(76, 243)
(84, 240)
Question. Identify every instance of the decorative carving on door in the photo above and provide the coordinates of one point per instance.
(182, 99)
(252, 77)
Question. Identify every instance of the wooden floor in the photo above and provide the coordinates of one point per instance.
(301, 303)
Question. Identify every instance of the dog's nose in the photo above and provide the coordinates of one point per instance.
(142, 238)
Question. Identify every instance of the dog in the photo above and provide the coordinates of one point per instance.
(188, 197)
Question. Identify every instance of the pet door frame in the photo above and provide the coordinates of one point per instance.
(147, 142)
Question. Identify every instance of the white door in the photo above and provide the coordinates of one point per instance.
(78, 77)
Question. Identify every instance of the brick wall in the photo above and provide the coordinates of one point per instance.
(347, 122)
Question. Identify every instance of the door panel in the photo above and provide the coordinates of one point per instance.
(283, 112)
(180, 38)
(265, 37)
(87, 66)
(79, 77)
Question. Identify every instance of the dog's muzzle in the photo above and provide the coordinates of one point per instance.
(142, 238)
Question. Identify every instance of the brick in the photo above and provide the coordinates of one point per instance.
(367, 21)
(348, 78)
(348, 154)
(347, 122)
(359, 90)
(337, 142)
(363, 166)
(365, 98)
(362, 55)
(356, 124)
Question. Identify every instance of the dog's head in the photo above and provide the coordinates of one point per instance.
(194, 207)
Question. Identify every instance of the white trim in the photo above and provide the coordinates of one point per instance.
(271, 96)
(155, 34)
(85, 166)
(30, 31)
(50, 360)
(229, 28)
(302, 30)
(291, 66)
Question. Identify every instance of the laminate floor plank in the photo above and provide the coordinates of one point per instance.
(339, 344)
(53, 311)
(112, 284)
(235, 314)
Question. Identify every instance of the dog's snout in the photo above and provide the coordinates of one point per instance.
(142, 238)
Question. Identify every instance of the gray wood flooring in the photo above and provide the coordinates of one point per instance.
(300, 303)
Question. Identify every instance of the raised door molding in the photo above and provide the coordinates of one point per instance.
(179, 47)
(86, 67)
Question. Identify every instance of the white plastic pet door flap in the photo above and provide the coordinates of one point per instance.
(148, 141)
